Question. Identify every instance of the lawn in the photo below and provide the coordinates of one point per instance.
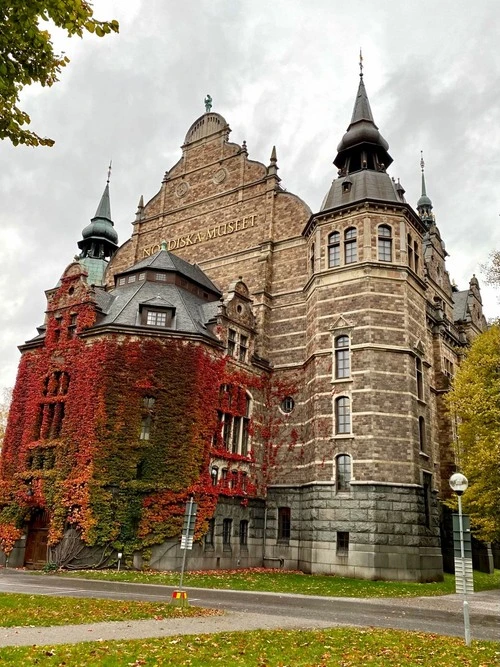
(280, 581)
(42, 610)
(344, 647)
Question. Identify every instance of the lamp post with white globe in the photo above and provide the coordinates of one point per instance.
(459, 484)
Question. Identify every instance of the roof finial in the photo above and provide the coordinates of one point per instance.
(360, 62)
(422, 163)
(208, 103)
(109, 171)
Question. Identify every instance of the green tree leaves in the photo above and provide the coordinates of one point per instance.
(475, 402)
(27, 55)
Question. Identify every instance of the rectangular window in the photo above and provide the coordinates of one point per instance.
(231, 342)
(121, 281)
(236, 435)
(342, 415)
(420, 378)
(209, 535)
(421, 434)
(385, 250)
(334, 255)
(284, 524)
(243, 533)
(351, 252)
(146, 427)
(227, 525)
(131, 279)
(161, 277)
(427, 484)
(142, 276)
(226, 431)
(245, 437)
(342, 544)
(243, 348)
(156, 319)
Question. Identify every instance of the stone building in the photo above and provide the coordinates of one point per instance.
(339, 331)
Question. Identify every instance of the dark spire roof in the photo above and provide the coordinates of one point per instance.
(424, 204)
(99, 239)
(362, 131)
(362, 160)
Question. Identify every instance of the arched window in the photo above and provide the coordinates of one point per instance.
(421, 434)
(343, 472)
(334, 249)
(385, 243)
(350, 245)
(342, 415)
(342, 357)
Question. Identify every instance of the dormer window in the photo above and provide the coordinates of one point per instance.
(161, 277)
(152, 315)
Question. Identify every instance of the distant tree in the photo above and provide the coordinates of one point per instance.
(5, 400)
(27, 54)
(492, 268)
(475, 401)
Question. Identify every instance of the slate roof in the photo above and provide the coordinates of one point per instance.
(365, 184)
(167, 261)
(460, 311)
(191, 311)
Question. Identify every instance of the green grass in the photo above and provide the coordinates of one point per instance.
(279, 581)
(43, 610)
(344, 647)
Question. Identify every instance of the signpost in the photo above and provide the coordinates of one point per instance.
(180, 596)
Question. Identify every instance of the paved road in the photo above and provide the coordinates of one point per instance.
(441, 615)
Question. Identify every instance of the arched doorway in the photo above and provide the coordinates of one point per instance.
(36, 542)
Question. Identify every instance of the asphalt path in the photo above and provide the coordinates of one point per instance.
(441, 615)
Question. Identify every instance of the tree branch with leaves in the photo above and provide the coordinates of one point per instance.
(27, 55)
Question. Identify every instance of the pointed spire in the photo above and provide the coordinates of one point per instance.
(273, 159)
(424, 204)
(103, 211)
(272, 168)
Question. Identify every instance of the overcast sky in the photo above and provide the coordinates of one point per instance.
(282, 72)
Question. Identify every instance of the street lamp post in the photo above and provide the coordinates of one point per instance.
(459, 484)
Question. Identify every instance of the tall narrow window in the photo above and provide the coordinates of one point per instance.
(342, 360)
(343, 472)
(342, 415)
(209, 535)
(214, 475)
(342, 543)
(284, 523)
(410, 251)
(243, 348)
(231, 342)
(148, 403)
(312, 258)
(350, 245)
(420, 378)
(233, 425)
(227, 525)
(243, 533)
(334, 249)
(384, 243)
(421, 434)
(427, 488)
(416, 256)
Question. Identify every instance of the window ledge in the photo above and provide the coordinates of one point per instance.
(421, 401)
(343, 436)
(339, 380)
(424, 455)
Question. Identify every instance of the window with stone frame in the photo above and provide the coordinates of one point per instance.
(342, 357)
(312, 257)
(148, 404)
(350, 245)
(416, 256)
(427, 491)
(422, 435)
(210, 534)
(342, 415)
(384, 243)
(419, 375)
(237, 345)
(334, 249)
(50, 417)
(284, 524)
(233, 429)
(227, 527)
(243, 533)
(410, 251)
(343, 473)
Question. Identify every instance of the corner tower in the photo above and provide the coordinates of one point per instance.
(368, 359)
